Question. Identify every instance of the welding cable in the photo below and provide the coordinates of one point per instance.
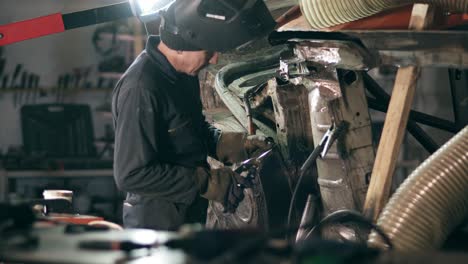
(255, 243)
(343, 216)
(304, 168)
(327, 13)
(319, 151)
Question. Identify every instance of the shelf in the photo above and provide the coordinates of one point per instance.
(111, 75)
(124, 37)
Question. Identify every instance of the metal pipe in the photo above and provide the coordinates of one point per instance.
(413, 128)
(382, 96)
(431, 202)
(327, 13)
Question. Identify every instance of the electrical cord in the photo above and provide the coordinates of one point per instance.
(340, 216)
(305, 168)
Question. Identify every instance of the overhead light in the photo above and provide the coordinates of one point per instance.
(148, 10)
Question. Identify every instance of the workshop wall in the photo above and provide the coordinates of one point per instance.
(433, 97)
(48, 57)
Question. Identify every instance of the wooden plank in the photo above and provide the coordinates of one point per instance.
(394, 126)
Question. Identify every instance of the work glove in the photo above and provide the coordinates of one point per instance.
(234, 147)
(222, 185)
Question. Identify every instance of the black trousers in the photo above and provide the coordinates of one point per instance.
(153, 213)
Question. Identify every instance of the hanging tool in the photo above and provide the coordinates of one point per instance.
(2, 68)
(22, 87)
(15, 75)
(100, 82)
(36, 90)
(67, 83)
(58, 88)
(29, 88)
(5, 82)
(320, 151)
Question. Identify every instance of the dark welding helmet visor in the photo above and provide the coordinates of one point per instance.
(215, 25)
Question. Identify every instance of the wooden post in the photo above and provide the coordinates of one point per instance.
(395, 125)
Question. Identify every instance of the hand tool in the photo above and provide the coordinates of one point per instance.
(67, 83)
(5, 82)
(15, 75)
(16, 72)
(22, 87)
(2, 68)
(100, 82)
(58, 88)
(248, 168)
(36, 88)
(29, 88)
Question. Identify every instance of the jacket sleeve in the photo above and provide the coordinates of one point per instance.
(138, 167)
(212, 135)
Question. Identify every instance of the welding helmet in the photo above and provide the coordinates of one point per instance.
(214, 25)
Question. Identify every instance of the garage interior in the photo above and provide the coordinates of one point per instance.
(364, 104)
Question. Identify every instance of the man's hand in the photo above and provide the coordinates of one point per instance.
(223, 185)
(234, 147)
(235, 194)
(255, 144)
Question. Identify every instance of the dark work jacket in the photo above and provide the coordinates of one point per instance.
(161, 136)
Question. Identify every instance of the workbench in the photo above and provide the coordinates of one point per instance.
(6, 175)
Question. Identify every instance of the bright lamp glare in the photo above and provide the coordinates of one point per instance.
(149, 7)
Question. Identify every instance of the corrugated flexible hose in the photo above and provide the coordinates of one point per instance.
(431, 202)
(327, 13)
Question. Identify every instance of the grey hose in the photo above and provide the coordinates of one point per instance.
(431, 202)
(327, 13)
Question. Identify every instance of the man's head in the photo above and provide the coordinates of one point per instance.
(197, 29)
(214, 25)
(188, 62)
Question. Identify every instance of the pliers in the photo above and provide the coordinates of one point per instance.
(248, 168)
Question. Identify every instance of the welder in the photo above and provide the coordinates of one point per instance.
(161, 137)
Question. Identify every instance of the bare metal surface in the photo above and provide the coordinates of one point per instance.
(292, 121)
(336, 54)
(361, 49)
(342, 172)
